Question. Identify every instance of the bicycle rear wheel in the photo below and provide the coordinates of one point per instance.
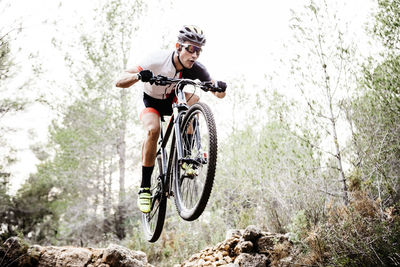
(194, 174)
(153, 222)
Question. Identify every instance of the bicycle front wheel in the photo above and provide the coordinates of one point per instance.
(194, 174)
(153, 222)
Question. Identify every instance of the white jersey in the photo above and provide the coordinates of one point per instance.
(162, 63)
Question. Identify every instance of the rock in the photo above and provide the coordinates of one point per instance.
(209, 258)
(265, 243)
(244, 247)
(15, 252)
(251, 233)
(228, 259)
(34, 252)
(74, 257)
(63, 256)
(231, 243)
(249, 247)
(252, 260)
(116, 255)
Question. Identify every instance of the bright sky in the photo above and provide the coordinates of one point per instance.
(243, 38)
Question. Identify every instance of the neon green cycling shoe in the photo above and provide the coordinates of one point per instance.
(144, 200)
(189, 170)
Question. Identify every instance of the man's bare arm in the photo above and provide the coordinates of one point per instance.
(129, 78)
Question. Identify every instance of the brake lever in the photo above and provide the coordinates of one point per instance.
(158, 80)
(206, 86)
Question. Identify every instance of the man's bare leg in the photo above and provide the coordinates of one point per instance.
(151, 122)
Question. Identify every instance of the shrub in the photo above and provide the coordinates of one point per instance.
(360, 234)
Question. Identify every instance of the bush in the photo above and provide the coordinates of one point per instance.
(360, 234)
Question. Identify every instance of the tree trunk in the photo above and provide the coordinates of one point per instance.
(121, 213)
(106, 200)
(342, 176)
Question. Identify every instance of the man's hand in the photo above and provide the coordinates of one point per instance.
(222, 85)
(145, 75)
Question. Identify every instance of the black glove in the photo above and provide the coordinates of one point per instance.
(145, 75)
(222, 85)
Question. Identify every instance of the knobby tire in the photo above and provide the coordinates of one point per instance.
(191, 192)
(153, 222)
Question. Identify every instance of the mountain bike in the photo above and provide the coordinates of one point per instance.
(187, 171)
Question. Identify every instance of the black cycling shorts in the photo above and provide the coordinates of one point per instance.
(159, 106)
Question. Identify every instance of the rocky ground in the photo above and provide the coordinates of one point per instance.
(15, 252)
(250, 247)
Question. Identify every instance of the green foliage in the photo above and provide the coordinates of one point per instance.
(5, 204)
(266, 170)
(299, 227)
(326, 75)
(33, 207)
(30, 212)
(376, 112)
(12, 100)
(6, 62)
(387, 23)
(71, 200)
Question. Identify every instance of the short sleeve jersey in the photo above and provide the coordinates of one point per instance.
(162, 63)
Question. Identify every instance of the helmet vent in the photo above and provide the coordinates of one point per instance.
(193, 34)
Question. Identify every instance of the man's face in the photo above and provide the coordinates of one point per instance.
(189, 53)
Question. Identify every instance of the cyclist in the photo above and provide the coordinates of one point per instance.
(180, 63)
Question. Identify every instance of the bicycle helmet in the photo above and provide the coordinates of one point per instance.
(193, 34)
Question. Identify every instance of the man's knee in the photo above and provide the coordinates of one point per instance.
(153, 131)
(192, 99)
(151, 123)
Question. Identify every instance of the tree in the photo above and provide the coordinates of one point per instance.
(13, 97)
(7, 71)
(13, 100)
(89, 138)
(8, 104)
(5, 207)
(325, 75)
(271, 170)
(376, 110)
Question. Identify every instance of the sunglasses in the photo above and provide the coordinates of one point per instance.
(192, 48)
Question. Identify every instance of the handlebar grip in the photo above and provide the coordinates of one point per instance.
(145, 75)
(222, 85)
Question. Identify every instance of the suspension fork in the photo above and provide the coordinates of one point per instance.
(178, 109)
(177, 129)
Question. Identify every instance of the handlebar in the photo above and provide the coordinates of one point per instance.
(205, 86)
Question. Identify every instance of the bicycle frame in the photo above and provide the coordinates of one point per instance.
(174, 123)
